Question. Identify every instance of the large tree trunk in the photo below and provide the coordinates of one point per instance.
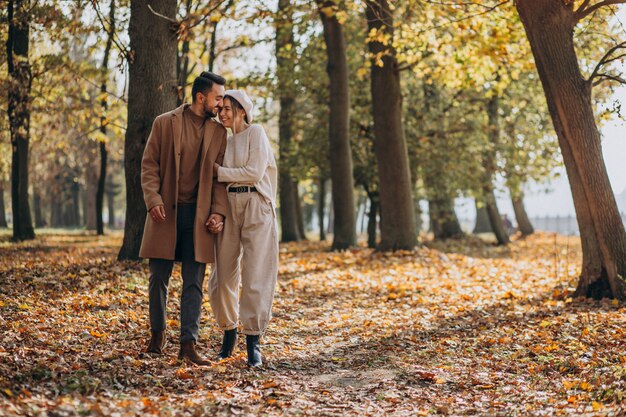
(20, 80)
(103, 121)
(321, 206)
(489, 164)
(549, 26)
(523, 222)
(396, 200)
(3, 213)
(152, 91)
(443, 219)
(285, 69)
(339, 151)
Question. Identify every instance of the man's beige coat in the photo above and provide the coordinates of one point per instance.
(160, 169)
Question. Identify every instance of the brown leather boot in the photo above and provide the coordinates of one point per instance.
(188, 351)
(157, 342)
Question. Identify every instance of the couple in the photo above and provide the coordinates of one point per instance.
(211, 199)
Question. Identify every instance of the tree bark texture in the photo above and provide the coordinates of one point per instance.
(396, 200)
(339, 151)
(549, 27)
(152, 91)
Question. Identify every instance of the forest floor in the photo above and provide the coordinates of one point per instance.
(456, 328)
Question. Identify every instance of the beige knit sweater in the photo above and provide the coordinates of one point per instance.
(249, 160)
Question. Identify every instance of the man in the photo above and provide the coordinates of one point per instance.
(186, 207)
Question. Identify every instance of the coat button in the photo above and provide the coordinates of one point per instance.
(174, 206)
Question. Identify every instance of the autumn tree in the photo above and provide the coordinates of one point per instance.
(550, 26)
(397, 210)
(339, 152)
(151, 91)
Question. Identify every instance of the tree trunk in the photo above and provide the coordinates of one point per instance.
(39, 219)
(74, 216)
(495, 220)
(56, 211)
(285, 69)
(523, 222)
(321, 207)
(20, 80)
(396, 200)
(3, 214)
(482, 219)
(299, 216)
(371, 219)
(152, 68)
(549, 26)
(443, 220)
(339, 151)
(489, 163)
(111, 190)
(91, 169)
(103, 122)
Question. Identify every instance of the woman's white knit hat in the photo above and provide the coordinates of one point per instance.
(244, 100)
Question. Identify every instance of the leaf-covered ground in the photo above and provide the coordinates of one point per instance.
(461, 328)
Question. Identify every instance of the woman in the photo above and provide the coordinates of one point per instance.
(247, 248)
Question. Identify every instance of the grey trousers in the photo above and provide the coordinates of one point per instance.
(193, 278)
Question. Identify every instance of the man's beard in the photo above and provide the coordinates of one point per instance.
(209, 114)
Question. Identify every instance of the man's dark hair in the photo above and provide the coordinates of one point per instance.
(204, 83)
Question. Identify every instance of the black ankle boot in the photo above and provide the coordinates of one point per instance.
(228, 344)
(254, 350)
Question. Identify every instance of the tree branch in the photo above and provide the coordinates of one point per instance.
(582, 12)
(603, 77)
(605, 60)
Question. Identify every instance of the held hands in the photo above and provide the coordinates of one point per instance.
(157, 213)
(215, 223)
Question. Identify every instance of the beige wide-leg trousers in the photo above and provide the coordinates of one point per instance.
(246, 253)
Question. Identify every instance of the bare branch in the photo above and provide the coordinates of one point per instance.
(606, 59)
(169, 19)
(604, 77)
(581, 13)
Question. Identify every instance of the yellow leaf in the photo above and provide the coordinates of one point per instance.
(545, 323)
(596, 405)
(23, 306)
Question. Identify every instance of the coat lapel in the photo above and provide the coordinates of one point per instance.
(209, 128)
(177, 131)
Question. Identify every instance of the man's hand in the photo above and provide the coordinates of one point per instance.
(157, 213)
(215, 223)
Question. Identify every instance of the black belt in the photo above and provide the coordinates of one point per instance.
(243, 189)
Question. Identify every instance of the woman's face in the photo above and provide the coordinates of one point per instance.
(228, 116)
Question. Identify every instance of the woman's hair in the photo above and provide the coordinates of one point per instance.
(237, 106)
